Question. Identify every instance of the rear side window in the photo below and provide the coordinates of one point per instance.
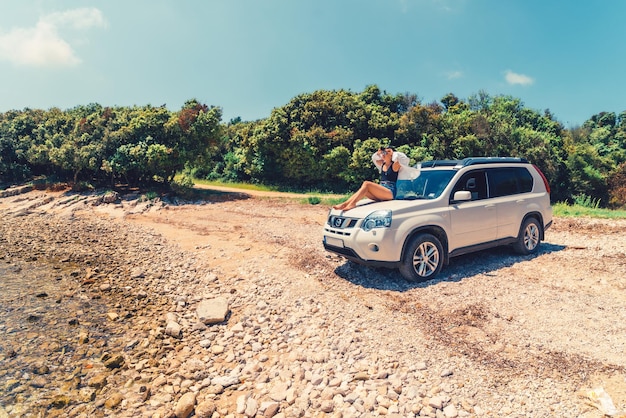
(508, 181)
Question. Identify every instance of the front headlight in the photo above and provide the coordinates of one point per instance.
(378, 219)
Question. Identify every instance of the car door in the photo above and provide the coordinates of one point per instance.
(472, 222)
(508, 189)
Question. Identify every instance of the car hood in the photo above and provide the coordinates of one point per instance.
(396, 206)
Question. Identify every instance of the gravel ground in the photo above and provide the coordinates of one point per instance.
(307, 333)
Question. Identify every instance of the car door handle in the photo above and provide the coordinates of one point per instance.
(490, 206)
(520, 201)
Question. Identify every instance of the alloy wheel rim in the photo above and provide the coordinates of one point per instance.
(531, 237)
(426, 259)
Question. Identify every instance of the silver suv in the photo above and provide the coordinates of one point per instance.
(448, 208)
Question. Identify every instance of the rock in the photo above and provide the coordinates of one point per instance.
(33, 317)
(214, 389)
(252, 406)
(225, 381)
(159, 381)
(450, 411)
(351, 397)
(38, 382)
(40, 369)
(327, 406)
(86, 395)
(210, 277)
(271, 410)
(361, 376)
(436, 402)
(205, 409)
(241, 404)
(217, 349)
(198, 326)
(185, 405)
(113, 361)
(114, 400)
(212, 311)
(60, 401)
(137, 273)
(83, 337)
(238, 327)
(279, 392)
(173, 329)
(110, 197)
(98, 381)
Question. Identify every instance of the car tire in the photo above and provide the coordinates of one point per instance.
(423, 258)
(528, 238)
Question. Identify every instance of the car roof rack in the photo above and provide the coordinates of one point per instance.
(439, 163)
(472, 161)
(492, 160)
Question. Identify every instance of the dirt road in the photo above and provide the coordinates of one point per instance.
(558, 315)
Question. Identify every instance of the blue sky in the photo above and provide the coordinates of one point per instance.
(250, 56)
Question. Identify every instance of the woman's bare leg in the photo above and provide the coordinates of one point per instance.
(368, 189)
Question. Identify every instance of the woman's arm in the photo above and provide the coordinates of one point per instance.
(378, 159)
(396, 162)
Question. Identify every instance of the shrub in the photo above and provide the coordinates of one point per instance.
(586, 201)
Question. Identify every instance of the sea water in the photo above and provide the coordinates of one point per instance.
(48, 325)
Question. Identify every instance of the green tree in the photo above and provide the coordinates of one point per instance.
(586, 172)
(293, 146)
(195, 134)
(617, 187)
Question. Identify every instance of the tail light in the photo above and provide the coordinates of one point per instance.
(545, 180)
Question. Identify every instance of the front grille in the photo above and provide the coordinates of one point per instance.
(339, 222)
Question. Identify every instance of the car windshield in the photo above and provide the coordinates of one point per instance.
(428, 185)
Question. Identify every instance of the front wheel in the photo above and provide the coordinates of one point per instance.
(528, 238)
(423, 258)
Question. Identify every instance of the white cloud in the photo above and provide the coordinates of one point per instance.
(43, 45)
(453, 75)
(514, 78)
(77, 18)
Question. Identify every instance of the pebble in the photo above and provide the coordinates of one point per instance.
(185, 405)
(212, 311)
(114, 400)
(450, 411)
(174, 329)
(205, 409)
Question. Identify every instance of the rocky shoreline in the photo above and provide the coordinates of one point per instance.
(136, 344)
(111, 295)
(141, 339)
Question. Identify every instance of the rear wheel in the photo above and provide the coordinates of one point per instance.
(423, 258)
(528, 238)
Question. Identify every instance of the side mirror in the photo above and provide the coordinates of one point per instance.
(462, 196)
